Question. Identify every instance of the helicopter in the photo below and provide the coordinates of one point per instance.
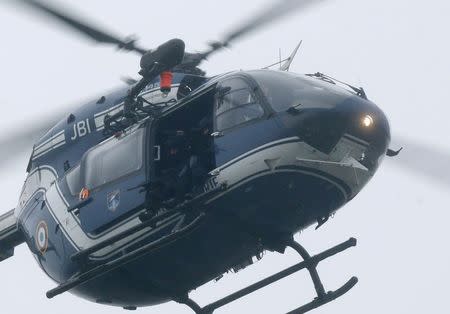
(112, 194)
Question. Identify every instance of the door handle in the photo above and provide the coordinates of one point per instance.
(217, 134)
(157, 153)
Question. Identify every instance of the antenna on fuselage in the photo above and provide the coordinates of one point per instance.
(286, 66)
(279, 54)
(287, 61)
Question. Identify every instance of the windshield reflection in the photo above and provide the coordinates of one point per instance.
(284, 90)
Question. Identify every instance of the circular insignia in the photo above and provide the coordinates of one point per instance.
(41, 237)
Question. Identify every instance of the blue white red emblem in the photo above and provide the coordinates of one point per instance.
(113, 200)
(41, 237)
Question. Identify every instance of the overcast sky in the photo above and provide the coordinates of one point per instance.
(397, 50)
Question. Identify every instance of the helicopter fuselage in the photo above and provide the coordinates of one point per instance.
(281, 152)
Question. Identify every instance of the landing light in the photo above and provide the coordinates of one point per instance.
(367, 121)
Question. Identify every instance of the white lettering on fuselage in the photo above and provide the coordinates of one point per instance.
(81, 129)
(211, 184)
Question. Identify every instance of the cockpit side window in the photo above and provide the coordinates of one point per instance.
(236, 104)
(113, 159)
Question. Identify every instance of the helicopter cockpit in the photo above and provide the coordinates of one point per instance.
(322, 110)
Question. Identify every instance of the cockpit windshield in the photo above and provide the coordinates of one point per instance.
(284, 90)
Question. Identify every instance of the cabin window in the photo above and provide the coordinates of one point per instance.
(236, 104)
(73, 179)
(113, 159)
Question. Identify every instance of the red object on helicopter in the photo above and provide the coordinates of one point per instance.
(166, 82)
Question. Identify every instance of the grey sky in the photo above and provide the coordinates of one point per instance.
(397, 50)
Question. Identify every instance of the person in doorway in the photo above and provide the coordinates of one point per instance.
(200, 161)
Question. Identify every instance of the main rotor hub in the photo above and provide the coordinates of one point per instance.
(167, 56)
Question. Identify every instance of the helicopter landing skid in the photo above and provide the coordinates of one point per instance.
(309, 262)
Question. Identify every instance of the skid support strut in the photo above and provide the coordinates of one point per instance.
(309, 262)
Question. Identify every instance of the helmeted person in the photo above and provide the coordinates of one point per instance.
(175, 151)
(199, 161)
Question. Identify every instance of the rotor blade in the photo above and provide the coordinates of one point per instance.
(15, 143)
(76, 23)
(273, 13)
(277, 10)
(423, 159)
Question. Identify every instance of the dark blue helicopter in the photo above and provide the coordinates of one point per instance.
(147, 193)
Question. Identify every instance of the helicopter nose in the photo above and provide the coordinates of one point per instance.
(344, 142)
(366, 126)
(354, 129)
